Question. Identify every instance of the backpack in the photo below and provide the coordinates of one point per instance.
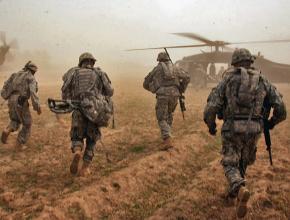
(98, 109)
(165, 75)
(8, 87)
(245, 100)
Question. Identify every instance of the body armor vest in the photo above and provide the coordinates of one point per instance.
(165, 77)
(245, 95)
(20, 85)
(168, 76)
(84, 82)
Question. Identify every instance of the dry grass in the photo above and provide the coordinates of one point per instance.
(131, 179)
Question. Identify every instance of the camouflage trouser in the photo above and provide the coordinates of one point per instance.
(239, 151)
(81, 129)
(19, 115)
(165, 107)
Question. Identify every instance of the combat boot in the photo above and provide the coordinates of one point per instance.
(76, 160)
(5, 135)
(242, 200)
(166, 145)
(85, 170)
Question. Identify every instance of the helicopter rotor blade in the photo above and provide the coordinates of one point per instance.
(262, 42)
(182, 46)
(196, 37)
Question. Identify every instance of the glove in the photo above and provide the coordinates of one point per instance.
(212, 129)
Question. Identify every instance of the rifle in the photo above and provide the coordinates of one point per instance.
(181, 97)
(63, 106)
(268, 139)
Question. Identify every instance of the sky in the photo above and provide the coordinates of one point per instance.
(63, 29)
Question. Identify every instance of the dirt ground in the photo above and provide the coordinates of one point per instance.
(130, 178)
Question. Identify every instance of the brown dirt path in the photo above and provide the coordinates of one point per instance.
(131, 179)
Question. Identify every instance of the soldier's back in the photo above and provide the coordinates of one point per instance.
(20, 83)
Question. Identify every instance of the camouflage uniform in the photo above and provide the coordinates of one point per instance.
(20, 87)
(167, 82)
(242, 99)
(79, 83)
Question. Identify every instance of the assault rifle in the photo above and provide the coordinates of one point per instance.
(181, 97)
(63, 106)
(268, 139)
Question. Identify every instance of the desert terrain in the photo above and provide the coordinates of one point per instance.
(130, 178)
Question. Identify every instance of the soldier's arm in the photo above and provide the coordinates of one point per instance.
(215, 103)
(184, 79)
(67, 78)
(108, 89)
(275, 101)
(33, 88)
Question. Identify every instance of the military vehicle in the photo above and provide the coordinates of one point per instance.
(220, 52)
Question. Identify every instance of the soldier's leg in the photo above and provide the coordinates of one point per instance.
(14, 120)
(26, 120)
(171, 108)
(162, 116)
(248, 157)
(93, 134)
(77, 139)
(250, 150)
(231, 155)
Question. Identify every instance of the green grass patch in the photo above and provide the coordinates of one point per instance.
(137, 149)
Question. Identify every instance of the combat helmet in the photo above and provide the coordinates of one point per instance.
(86, 56)
(242, 54)
(162, 57)
(31, 66)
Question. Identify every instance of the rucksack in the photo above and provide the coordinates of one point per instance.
(98, 109)
(244, 100)
(8, 87)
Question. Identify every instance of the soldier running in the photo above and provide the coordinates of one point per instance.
(18, 89)
(92, 88)
(168, 83)
(242, 99)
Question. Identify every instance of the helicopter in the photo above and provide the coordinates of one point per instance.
(220, 52)
(5, 48)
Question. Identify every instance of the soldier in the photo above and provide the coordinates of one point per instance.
(86, 83)
(201, 77)
(242, 99)
(212, 71)
(18, 89)
(168, 82)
